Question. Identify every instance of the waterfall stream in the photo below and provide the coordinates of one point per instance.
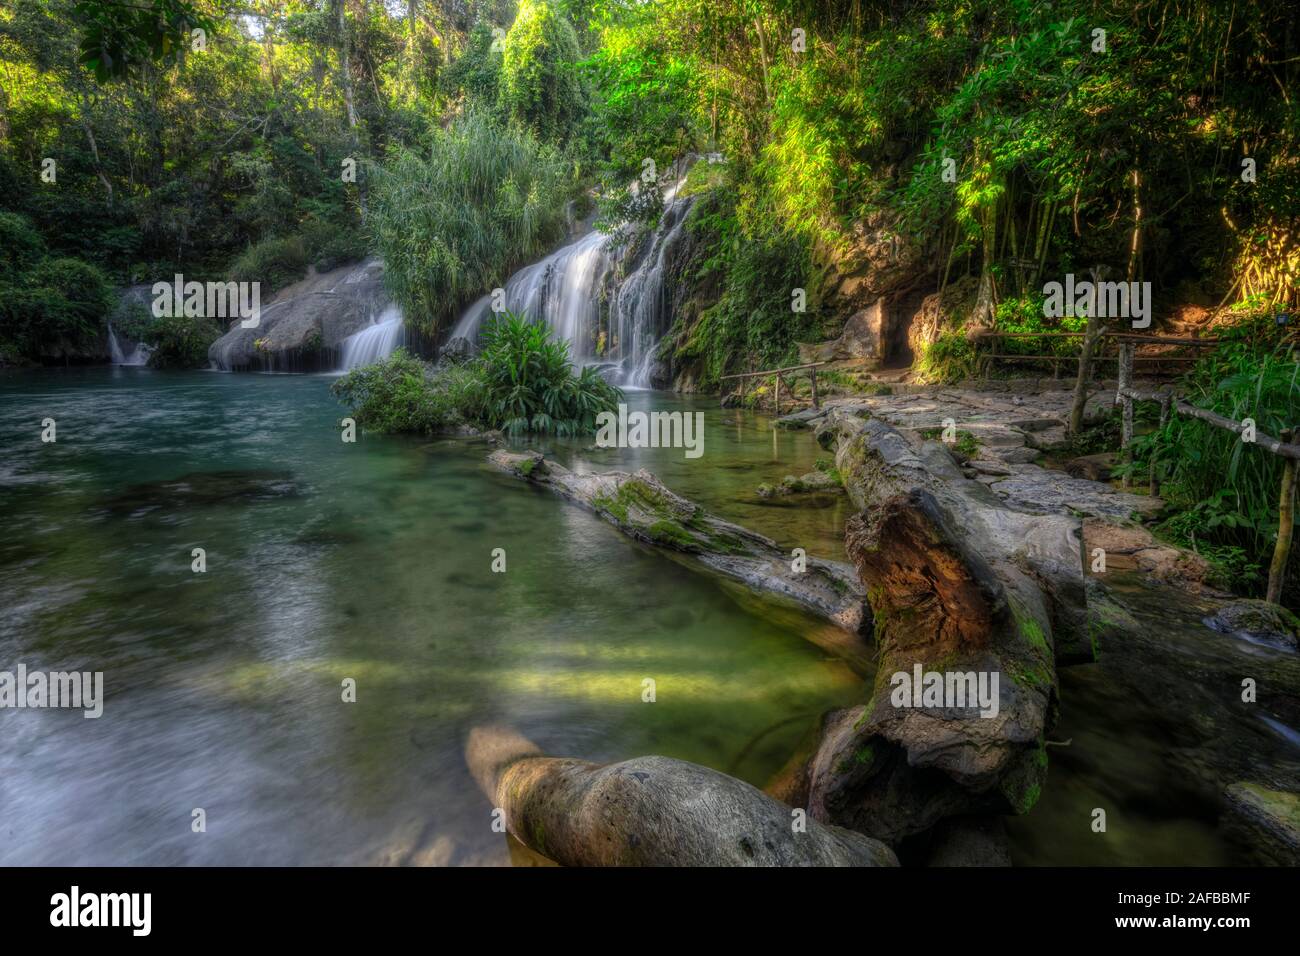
(138, 355)
(568, 288)
(373, 343)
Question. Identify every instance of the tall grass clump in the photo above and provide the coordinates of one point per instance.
(455, 217)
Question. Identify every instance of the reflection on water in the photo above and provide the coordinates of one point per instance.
(741, 451)
(328, 561)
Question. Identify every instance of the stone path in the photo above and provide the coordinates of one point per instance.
(1012, 431)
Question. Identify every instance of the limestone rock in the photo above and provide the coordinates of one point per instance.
(1257, 621)
(1271, 819)
(303, 325)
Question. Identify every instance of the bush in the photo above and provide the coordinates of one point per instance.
(20, 244)
(329, 245)
(56, 303)
(398, 395)
(273, 262)
(521, 382)
(755, 265)
(280, 261)
(1223, 490)
(949, 358)
(180, 341)
(475, 75)
(529, 384)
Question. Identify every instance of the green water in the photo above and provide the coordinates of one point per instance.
(369, 561)
(372, 561)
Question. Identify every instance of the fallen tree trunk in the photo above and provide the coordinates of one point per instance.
(642, 507)
(650, 811)
(960, 584)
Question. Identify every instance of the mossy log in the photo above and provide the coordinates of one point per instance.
(650, 811)
(958, 583)
(641, 506)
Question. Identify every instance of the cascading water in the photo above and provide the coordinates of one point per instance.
(565, 289)
(641, 309)
(375, 342)
(139, 354)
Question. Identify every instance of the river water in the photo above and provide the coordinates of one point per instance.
(372, 561)
(328, 561)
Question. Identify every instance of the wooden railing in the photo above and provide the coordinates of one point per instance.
(1126, 395)
(779, 373)
(984, 360)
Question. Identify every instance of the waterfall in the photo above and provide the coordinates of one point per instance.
(375, 342)
(139, 354)
(641, 308)
(566, 291)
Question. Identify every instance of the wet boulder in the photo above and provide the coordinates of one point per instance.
(1257, 621)
(1269, 821)
(457, 351)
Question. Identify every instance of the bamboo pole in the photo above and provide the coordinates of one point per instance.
(1092, 336)
(1285, 528)
(1166, 403)
(1125, 399)
(812, 374)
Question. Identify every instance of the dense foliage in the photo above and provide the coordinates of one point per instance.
(1223, 491)
(1008, 141)
(521, 382)
(529, 384)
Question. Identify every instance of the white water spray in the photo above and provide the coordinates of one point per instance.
(375, 342)
(139, 354)
(565, 290)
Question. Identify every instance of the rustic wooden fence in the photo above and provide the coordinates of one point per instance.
(1126, 395)
(1107, 349)
(779, 375)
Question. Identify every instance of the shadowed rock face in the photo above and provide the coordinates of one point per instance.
(958, 583)
(302, 327)
(649, 811)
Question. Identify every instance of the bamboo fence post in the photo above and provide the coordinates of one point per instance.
(1166, 402)
(776, 396)
(813, 376)
(1126, 350)
(1285, 526)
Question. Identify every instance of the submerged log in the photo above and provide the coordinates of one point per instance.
(641, 506)
(960, 584)
(649, 811)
